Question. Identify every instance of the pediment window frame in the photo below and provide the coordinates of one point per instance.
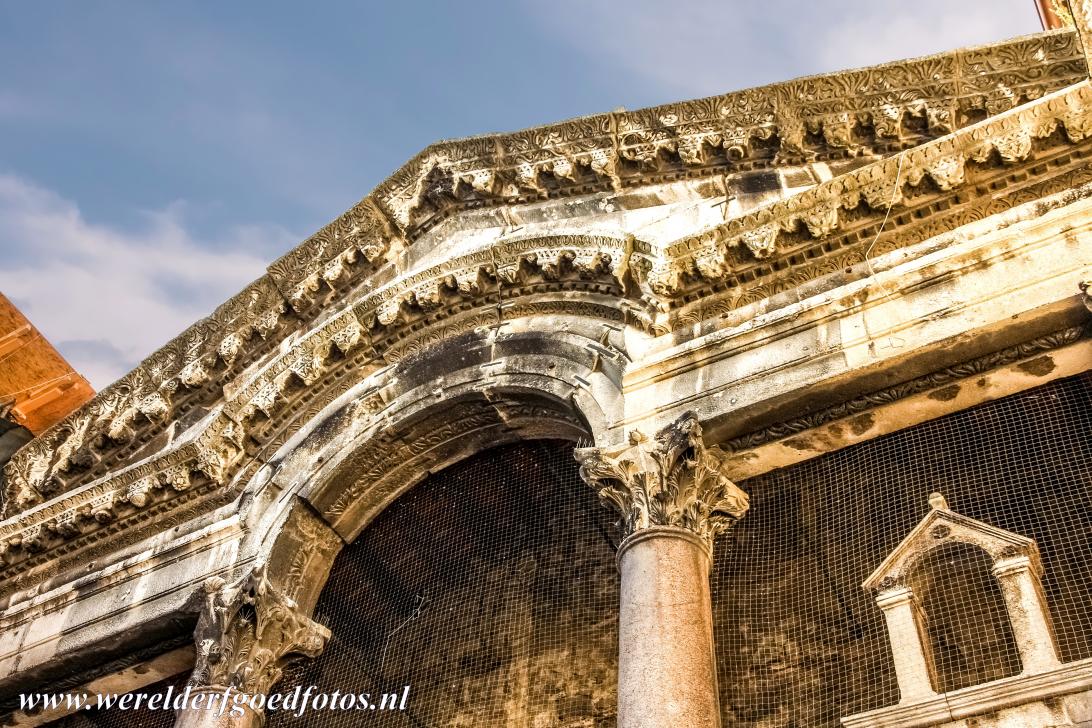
(1017, 567)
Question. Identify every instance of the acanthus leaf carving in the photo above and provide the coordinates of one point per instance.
(247, 632)
(671, 479)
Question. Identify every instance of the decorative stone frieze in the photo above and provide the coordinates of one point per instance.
(889, 395)
(195, 411)
(671, 479)
(362, 232)
(1080, 16)
(845, 112)
(880, 186)
(247, 632)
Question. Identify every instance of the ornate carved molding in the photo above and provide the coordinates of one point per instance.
(195, 414)
(671, 479)
(247, 632)
(842, 113)
(1086, 289)
(713, 256)
(888, 395)
(363, 232)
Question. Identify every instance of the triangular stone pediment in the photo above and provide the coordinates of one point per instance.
(941, 527)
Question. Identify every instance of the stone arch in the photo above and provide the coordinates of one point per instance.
(970, 637)
(447, 403)
(397, 425)
(355, 457)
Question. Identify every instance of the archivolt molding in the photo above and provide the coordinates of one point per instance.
(388, 460)
(197, 412)
(380, 323)
(217, 460)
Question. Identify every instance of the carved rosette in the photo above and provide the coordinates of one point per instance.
(248, 632)
(672, 479)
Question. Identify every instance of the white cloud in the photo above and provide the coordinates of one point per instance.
(882, 34)
(108, 297)
(707, 47)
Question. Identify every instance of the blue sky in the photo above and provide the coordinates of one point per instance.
(155, 156)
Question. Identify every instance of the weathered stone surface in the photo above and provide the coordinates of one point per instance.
(804, 267)
(667, 673)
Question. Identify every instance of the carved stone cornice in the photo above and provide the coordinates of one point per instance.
(972, 368)
(944, 91)
(1080, 16)
(97, 437)
(247, 632)
(844, 112)
(193, 415)
(672, 479)
(713, 256)
(362, 232)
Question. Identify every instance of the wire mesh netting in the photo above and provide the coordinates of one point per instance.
(970, 636)
(800, 643)
(490, 589)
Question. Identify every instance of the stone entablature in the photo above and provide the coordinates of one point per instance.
(527, 275)
(598, 300)
(947, 91)
(828, 114)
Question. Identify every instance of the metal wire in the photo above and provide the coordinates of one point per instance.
(799, 643)
(490, 589)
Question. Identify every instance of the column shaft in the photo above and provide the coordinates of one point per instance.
(666, 668)
(908, 647)
(1027, 612)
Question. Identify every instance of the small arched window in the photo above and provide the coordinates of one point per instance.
(963, 604)
(970, 636)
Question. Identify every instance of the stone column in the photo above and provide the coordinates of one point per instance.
(908, 646)
(245, 635)
(1031, 627)
(674, 499)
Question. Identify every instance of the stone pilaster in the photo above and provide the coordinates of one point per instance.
(674, 499)
(909, 643)
(245, 635)
(1031, 626)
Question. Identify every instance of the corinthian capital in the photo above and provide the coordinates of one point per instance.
(247, 632)
(671, 479)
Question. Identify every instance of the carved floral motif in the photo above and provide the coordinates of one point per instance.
(671, 479)
(247, 632)
(89, 471)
